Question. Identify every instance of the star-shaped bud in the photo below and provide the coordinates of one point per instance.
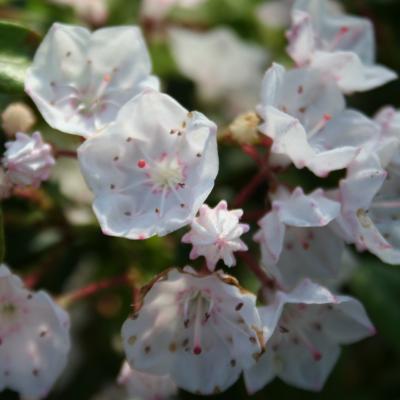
(188, 322)
(339, 45)
(28, 160)
(215, 234)
(307, 327)
(34, 338)
(371, 208)
(152, 169)
(79, 80)
(304, 116)
(146, 386)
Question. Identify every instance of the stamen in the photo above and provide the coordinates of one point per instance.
(319, 125)
(197, 326)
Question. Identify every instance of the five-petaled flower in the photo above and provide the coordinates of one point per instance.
(189, 322)
(307, 327)
(34, 338)
(152, 169)
(340, 46)
(80, 80)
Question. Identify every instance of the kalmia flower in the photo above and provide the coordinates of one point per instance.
(304, 116)
(293, 210)
(215, 234)
(34, 338)
(28, 160)
(207, 58)
(188, 323)
(152, 169)
(79, 80)
(146, 386)
(340, 46)
(371, 208)
(307, 327)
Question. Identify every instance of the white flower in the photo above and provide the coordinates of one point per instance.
(79, 80)
(28, 160)
(34, 338)
(371, 208)
(304, 116)
(159, 9)
(152, 169)
(220, 63)
(17, 117)
(201, 330)
(341, 46)
(297, 240)
(309, 324)
(146, 386)
(215, 234)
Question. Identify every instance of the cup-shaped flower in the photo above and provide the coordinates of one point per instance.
(146, 386)
(215, 234)
(28, 160)
(309, 324)
(34, 338)
(152, 169)
(304, 115)
(79, 80)
(190, 322)
(207, 58)
(294, 209)
(339, 45)
(371, 208)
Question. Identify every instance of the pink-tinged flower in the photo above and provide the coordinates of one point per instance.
(146, 386)
(79, 80)
(307, 327)
(34, 338)
(190, 322)
(304, 115)
(152, 169)
(371, 208)
(342, 47)
(215, 234)
(28, 160)
(388, 144)
(207, 58)
(293, 210)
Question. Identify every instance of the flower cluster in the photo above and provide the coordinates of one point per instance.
(151, 165)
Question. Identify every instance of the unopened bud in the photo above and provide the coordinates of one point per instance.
(17, 117)
(244, 129)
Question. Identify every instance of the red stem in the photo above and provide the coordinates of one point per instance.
(249, 189)
(94, 288)
(64, 153)
(262, 276)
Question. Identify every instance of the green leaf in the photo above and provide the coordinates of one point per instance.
(377, 285)
(17, 46)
